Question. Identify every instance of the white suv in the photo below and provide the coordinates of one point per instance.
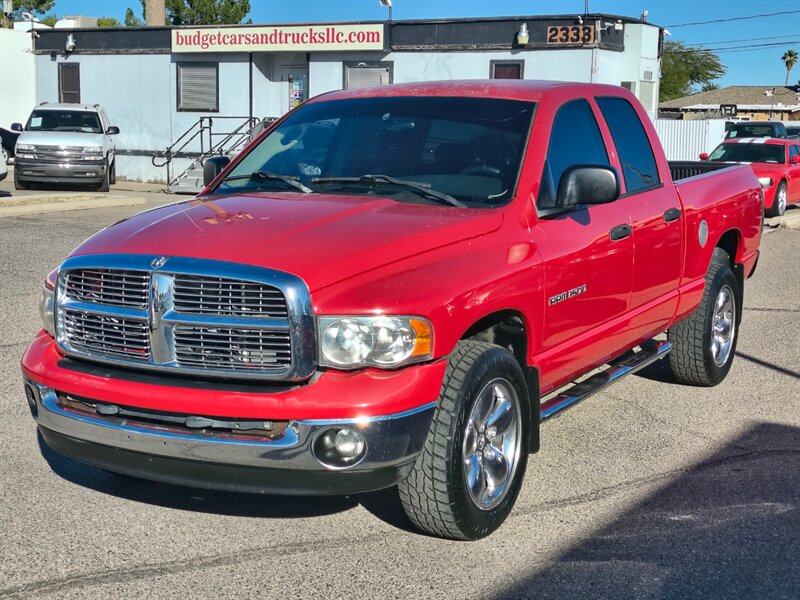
(66, 143)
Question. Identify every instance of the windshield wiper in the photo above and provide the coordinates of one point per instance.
(267, 176)
(422, 189)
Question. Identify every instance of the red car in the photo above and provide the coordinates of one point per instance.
(393, 286)
(776, 163)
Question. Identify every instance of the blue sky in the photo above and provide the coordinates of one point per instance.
(750, 66)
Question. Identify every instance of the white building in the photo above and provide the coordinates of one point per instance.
(157, 83)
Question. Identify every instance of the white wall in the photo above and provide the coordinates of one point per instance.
(17, 77)
(685, 140)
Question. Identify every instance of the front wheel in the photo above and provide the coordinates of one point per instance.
(104, 185)
(467, 478)
(20, 185)
(703, 346)
(779, 202)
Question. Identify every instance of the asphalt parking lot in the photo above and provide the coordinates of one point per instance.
(651, 490)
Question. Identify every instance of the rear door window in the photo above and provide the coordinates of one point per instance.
(635, 152)
(574, 140)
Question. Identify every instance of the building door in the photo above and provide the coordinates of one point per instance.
(69, 83)
(297, 78)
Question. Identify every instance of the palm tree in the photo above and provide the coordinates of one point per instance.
(789, 59)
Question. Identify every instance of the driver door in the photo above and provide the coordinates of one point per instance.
(587, 257)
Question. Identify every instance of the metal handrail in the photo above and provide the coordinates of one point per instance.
(211, 142)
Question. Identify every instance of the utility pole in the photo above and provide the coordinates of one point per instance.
(154, 13)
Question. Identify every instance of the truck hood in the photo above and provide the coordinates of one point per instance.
(60, 138)
(321, 238)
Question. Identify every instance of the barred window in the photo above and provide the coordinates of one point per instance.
(198, 87)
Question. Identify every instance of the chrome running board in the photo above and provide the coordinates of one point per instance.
(650, 352)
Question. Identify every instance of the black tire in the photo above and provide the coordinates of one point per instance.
(104, 186)
(777, 209)
(20, 185)
(692, 358)
(435, 495)
(113, 176)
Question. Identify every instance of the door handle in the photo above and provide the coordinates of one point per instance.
(672, 214)
(620, 232)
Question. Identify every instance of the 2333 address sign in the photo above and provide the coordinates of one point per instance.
(573, 34)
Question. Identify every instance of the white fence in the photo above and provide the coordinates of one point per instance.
(685, 140)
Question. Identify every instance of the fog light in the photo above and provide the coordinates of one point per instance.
(340, 447)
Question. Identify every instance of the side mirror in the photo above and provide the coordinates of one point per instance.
(704, 156)
(113, 130)
(796, 159)
(587, 184)
(213, 166)
(16, 127)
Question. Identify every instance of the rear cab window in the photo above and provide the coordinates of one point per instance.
(639, 168)
(575, 139)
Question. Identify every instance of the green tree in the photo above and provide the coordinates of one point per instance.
(108, 22)
(36, 7)
(207, 12)
(49, 20)
(789, 59)
(709, 87)
(131, 20)
(682, 68)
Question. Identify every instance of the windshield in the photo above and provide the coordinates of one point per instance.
(758, 153)
(64, 120)
(467, 148)
(742, 131)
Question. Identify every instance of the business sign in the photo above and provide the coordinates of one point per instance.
(729, 110)
(300, 38)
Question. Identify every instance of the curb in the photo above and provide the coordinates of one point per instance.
(790, 220)
(34, 205)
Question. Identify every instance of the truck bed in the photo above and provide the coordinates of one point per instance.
(683, 169)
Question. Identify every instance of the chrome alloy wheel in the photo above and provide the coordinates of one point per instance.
(781, 200)
(492, 443)
(723, 325)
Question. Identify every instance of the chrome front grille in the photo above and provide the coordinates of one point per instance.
(62, 153)
(105, 335)
(186, 316)
(220, 296)
(225, 348)
(106, 286)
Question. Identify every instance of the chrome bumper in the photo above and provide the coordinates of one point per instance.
(59, 172)
(392, 444)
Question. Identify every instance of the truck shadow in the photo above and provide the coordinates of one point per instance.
(729, 527)
(660, 371)
(193, 499)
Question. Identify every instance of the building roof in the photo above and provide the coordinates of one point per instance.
(745, 97)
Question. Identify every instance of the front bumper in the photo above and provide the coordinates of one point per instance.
(42, 171)
(208, 458)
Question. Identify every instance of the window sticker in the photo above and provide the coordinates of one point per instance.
(36, 122)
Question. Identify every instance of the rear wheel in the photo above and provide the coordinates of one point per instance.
(4, 155)
(467, 478)
(703, 346)
(779, 202)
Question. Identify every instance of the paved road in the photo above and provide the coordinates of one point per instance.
(651, 490)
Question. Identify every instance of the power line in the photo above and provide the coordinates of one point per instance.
(734, 48)
(785, 12)
(769, 37)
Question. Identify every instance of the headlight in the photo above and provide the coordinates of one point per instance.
(25, 151)
(386, 341)
(765, 181)
(46, 309)
(93, 153)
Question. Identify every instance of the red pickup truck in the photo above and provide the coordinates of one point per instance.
(393, 287)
